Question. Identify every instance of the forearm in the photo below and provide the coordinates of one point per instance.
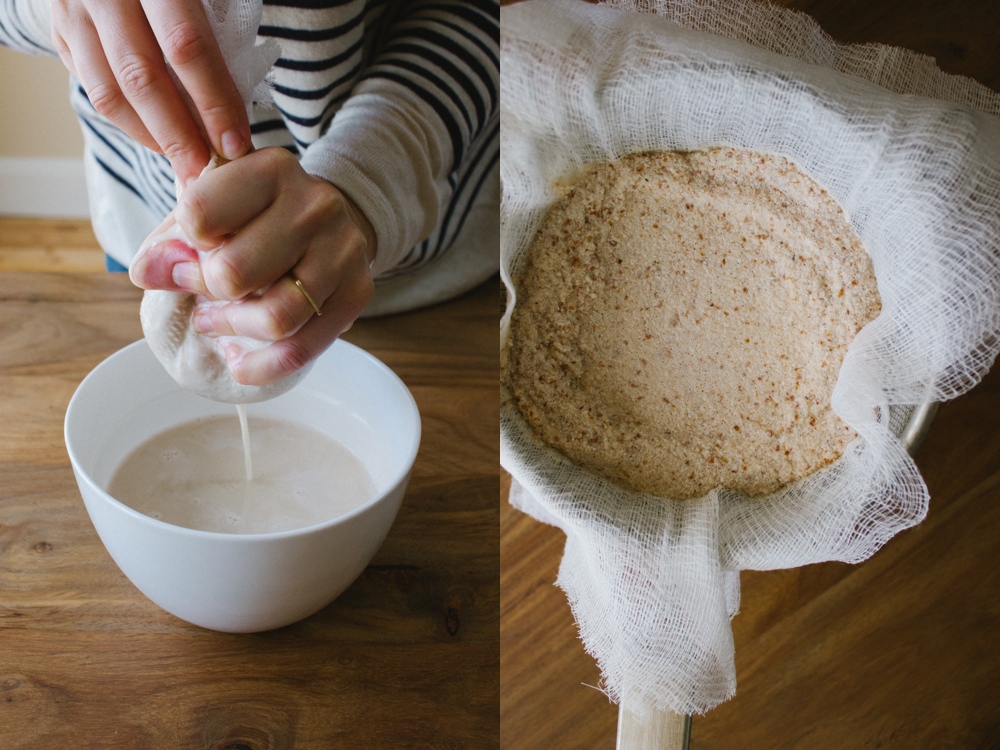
(383, 152)
(396, 144)
(25, 25)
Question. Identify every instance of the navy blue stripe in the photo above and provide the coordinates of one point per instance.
(472, 38)
(309, 4)
(315, 65)
(409, 261)
(125, 183)
(310, 35)
(154, 188)
(486, 144)
(422, 252)
(19, 25)
(83, 92)
(467, 58)
(449, 122)
(266, 126)
(462, 200)
(389, 61)
(486, 21)
(106, 142)
(15, 34)
(313, 94)
(472, 200)
(385, 18)
(452, 70)
(309, 122)
(165, 170)
(160, 190)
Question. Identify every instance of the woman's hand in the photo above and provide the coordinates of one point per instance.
(116, 49)
(261, 222)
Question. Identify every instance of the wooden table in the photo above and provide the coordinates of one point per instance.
(407, 657)
(902, 651)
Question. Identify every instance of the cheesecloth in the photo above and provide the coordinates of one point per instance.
(913, 157)
(196, 361)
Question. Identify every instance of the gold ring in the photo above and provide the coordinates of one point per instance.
(305, 294)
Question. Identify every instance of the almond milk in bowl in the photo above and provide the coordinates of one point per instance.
(270, 577)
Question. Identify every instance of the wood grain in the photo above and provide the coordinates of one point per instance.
(899, 652)
(407, 657)
(67, 245)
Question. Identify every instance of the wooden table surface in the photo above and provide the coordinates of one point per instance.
(407, 657)
(902, 651)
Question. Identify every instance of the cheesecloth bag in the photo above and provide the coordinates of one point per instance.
(913, 157)
(196, 361)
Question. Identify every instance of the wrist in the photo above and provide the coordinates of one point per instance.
(362, 223)
(359, 220)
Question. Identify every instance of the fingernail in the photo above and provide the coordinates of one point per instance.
(233, 145)
(187, 275)
(201, 320)
(233, 353)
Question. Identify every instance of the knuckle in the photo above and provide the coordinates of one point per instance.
(137, 76)
(59, 45)
(290, 356)
(191, 214)
(106, 98)
(323, 204)
(275, 159)
(217, 112)
(357, 241)
(184, 43)
(363, 295)
(182, 153)
(279, 321)
(225, 277)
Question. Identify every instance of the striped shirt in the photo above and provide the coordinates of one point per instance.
(396, 103)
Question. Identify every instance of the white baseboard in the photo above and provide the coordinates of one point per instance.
(43, 187)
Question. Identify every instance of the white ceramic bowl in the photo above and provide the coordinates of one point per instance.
(243, 582)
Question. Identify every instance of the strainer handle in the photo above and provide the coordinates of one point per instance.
(656, 730)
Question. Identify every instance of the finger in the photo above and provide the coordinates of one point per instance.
(254, 258)
(283, 358)
(83, 54)
(171, 265)
(137, 61)
(284, 308)
(225, 200)
(263, 250)
(61, 48)
(275, 315)
(186, 38)
(308, 213)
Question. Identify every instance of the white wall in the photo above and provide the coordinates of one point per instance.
(41, 146)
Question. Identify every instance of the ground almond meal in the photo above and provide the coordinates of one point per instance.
(681, 321)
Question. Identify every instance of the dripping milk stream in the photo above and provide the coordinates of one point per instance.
(241, 409)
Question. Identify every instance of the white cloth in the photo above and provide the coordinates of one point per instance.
(652, 583)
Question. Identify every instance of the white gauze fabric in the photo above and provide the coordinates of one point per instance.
(912, 155)
(195, 361)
